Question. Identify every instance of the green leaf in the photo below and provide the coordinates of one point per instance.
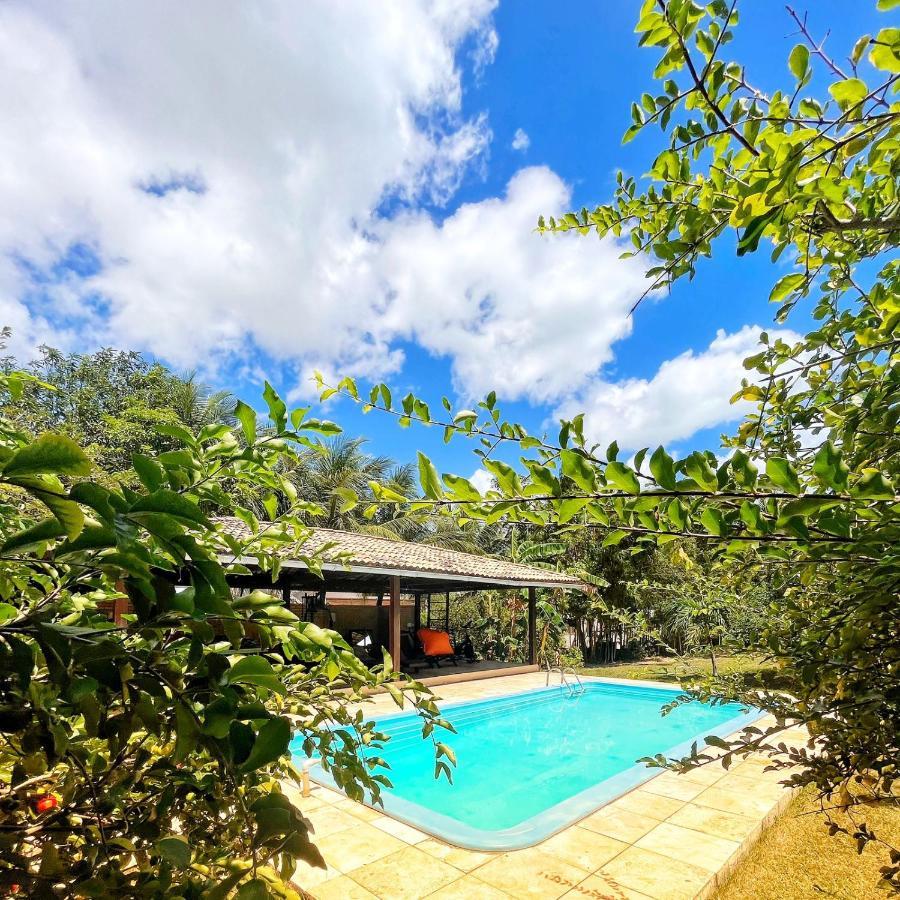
(568, 509)
(751, 516)
(253, 890)
(785, 285)
(712, 521)
(277, 409)
(255, 670)
(29, 538)
(798, 61)
(829, 467)
(698, 468)
(149, 471)
(461, 487)
(848, 92)
(576, 467)
(271, 743)
(179, 432)
(873, 485)
(744, 470)
(506, 476)
(782, 474)
(49, 454)
(885, 52)
(67, 512)
(803, 507)
(429, 478)
(543, 478)
(246, 415)
(677, 515)
(322, 426)
(622, 477)
(349, 498)
(171, 504)
(186, 733)
(175, 850)
(662, 468)
(754, 231)
(860, 46)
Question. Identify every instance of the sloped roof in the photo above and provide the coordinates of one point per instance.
(353, 559)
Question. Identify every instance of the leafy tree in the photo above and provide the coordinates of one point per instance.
(150, 758)
(113, 403)
(809, 489)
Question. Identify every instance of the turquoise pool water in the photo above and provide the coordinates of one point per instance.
(532, 763)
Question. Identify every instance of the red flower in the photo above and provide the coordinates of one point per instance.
(46, 803)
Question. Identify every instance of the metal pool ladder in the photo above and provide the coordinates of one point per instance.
(574, 690)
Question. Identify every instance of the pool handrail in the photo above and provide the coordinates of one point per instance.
(563, 681)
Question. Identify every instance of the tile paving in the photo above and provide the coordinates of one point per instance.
(673, 838)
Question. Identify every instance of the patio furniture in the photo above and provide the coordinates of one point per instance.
(436, 646)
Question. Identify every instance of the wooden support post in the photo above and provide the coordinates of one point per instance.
(120, 610)
(417, 613)
(532, 626)
(447, 612)
(394, 642)
(286, 596)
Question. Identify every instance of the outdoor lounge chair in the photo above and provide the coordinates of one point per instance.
(436, 646)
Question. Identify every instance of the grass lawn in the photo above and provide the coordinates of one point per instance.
(796, 858)
(664, 668)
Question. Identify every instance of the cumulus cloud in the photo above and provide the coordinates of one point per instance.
(244, 187)
(686, 394)
(223, 166)
(531, 317)
(520, 140)
(232, 191)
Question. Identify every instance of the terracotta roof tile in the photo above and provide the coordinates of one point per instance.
(358, 550)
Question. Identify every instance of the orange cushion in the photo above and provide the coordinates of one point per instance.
(435, 643)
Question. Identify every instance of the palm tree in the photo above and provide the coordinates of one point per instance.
(325, 476)
(196, 404)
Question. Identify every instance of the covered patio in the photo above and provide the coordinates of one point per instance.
(395, 588)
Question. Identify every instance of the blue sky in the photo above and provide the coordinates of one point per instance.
(290, 186)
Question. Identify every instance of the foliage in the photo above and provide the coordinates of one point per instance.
(148, 758)
(809, 487)
(340, 468)
(112, 403)
(700, 605)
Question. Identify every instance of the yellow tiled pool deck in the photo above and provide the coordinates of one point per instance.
(675, 837)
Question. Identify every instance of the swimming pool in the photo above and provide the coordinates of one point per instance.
(532, 763)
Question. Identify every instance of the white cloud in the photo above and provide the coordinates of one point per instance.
(687, 393)
(520, 140)
(277, 130)
(486, 44)
(531, 317)
(229, 188)
(482, 480)
(229, 172)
